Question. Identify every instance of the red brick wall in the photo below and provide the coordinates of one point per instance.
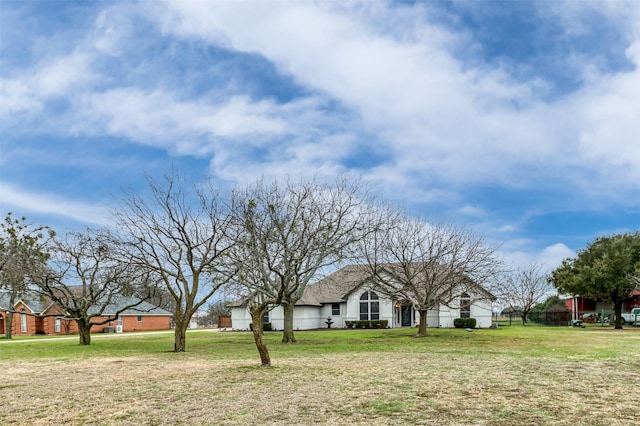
(46, 325)
(31, 321)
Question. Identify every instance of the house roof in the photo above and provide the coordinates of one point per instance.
(336, 287)
(32, 301)
(38, 305)
(144, 308)
(332, 289)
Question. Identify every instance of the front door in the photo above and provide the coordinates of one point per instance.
(406, 316)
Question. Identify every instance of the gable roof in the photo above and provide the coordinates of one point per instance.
(336, 287)
(39, 306)
(332, 289)
(144, 308)
(31, 300)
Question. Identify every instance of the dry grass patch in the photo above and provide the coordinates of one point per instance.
(347, 388)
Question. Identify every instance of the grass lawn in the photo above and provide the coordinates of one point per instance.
(512, 376)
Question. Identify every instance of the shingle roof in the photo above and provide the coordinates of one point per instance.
(332, 289)
(144, 308)
(335, 287)
(38, 305)
(32, 300)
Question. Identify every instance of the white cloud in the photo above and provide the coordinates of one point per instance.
(474, 211)
(14, 197)
(516, 253)
(16, 96)
(440, 117)
(185, 127)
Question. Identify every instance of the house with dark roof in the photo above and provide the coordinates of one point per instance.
(350, 294)
(35, 315)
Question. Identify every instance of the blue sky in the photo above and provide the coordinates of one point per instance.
(518, 119)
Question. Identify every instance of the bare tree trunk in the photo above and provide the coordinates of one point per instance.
(422, 326)
(84, 330)
(258, 336)
(617, 309)
(9, 326)
(287, 334)
(180, 335)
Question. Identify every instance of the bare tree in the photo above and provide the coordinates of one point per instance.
(523, 288)
(427, 264)
(289, 232)
(23, 250)
(180, 234)
(88, 284)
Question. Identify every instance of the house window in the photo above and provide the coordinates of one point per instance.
(56, 326)
(139, 318)
(335, 309)
(265, 317)
(465, 306)
(369, 306)
(23, 321)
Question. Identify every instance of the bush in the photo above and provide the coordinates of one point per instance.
(265, 327)
(366, 324)
(464, 323)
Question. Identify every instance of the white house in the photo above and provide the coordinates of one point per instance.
(349, 295)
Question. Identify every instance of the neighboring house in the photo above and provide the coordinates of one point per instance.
(349, 294)
(579, 305)
(31, 317)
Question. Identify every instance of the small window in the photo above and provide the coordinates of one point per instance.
(265, 317)
(335, 309)
(139, 318)
(56, 326)
(465, 306)
(23, 321)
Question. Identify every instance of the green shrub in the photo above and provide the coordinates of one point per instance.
(367, 324)
(265, 327)
(464, 323)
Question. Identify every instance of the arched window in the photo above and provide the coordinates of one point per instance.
(23, 321)
(369, 306)
(465, 306)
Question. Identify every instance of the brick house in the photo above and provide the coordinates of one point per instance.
(31, 316)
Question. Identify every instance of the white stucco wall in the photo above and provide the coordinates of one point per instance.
(433, 318)
(240, 318)
(312, 317)
(304, 318)
(482, 312)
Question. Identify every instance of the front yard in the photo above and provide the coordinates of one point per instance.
(516, 375)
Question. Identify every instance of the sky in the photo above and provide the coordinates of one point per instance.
(517, 119)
